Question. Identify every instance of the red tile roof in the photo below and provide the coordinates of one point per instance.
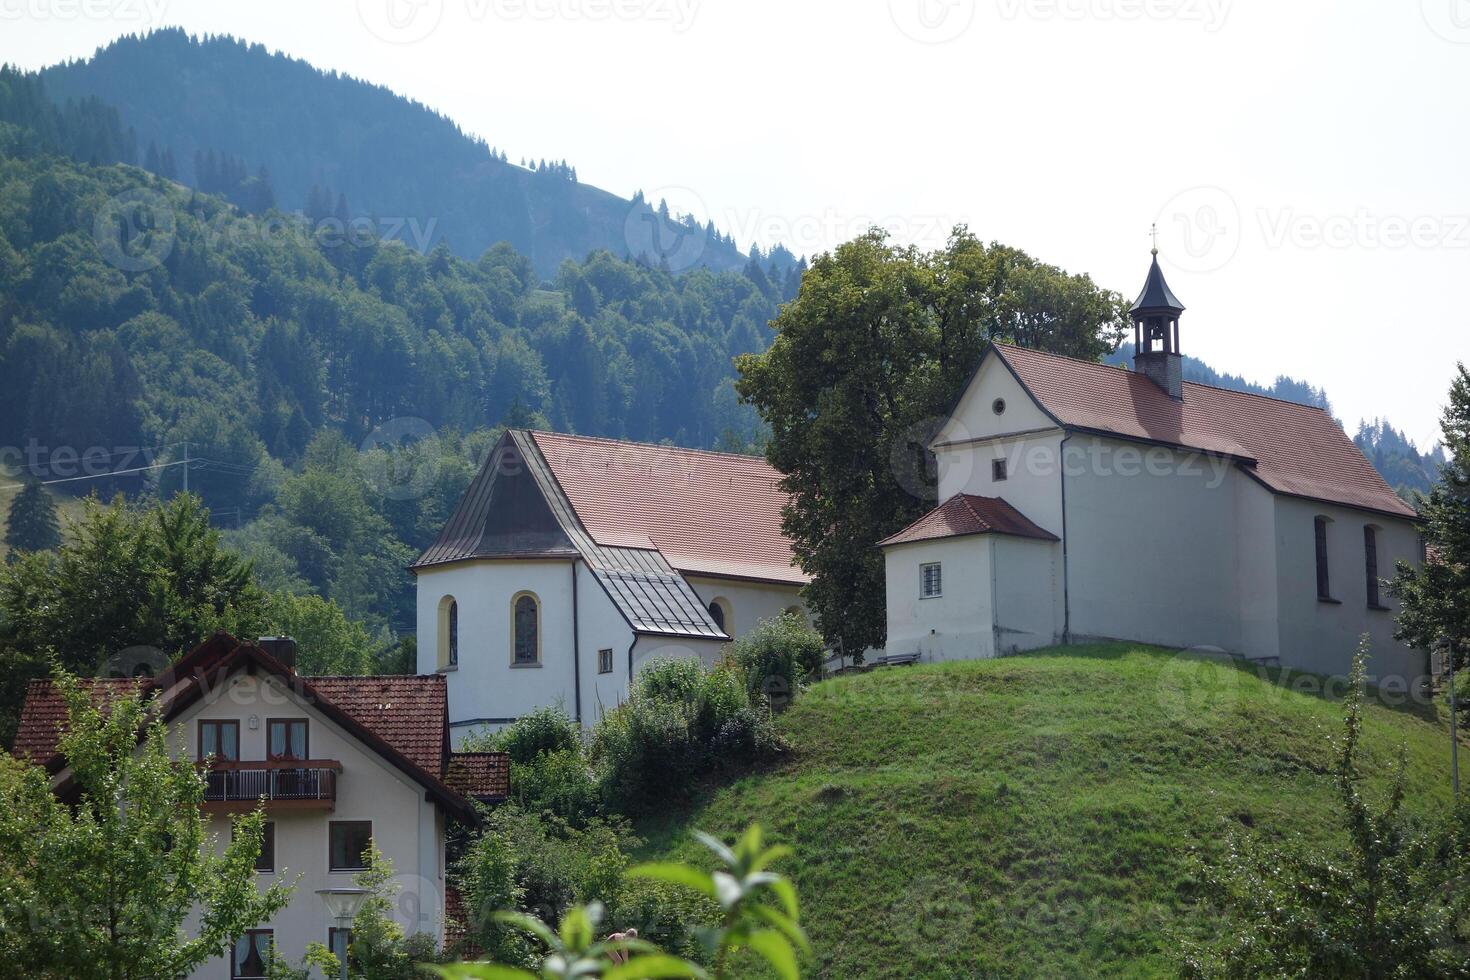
(43, 715)
(1293, 449)
(409, 713)
(965, 514)
(709, 513)
(483, 775)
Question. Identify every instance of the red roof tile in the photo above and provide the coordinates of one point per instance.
(483, 775)
(1293, 449)
(965, 514)
(709, 513)
(409, 713)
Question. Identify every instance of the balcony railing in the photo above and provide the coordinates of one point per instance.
(281, 783)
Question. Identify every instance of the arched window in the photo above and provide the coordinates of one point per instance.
(525, 629)
(1370, 565)
(720, 612)
(448, 653)
(1324, 580)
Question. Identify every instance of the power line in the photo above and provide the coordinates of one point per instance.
(101, 476)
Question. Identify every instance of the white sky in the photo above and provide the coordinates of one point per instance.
(1306, 160)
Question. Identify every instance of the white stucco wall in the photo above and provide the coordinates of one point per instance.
(1027, 593)
(407, 828)
(485, 690)
(750, 602)
(1322, 637)
(954, 626)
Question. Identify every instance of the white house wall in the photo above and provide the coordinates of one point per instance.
(750, 602)
(975, 418)
(957, 625)
(1027, 593)
(407, 828)
(1033, 483)
(1321, 636)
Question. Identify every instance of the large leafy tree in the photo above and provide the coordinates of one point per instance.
(1436, 597)
(127, 577)
(876, 347)
(31, 524)
(101, 888)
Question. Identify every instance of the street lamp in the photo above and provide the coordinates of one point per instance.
(343, 905)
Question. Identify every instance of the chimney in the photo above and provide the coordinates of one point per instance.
(283, 648)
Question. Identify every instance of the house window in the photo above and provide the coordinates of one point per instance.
(251, 957)
(1324, 581)
(722, 614)
(604, 661)
(349, 841)
(266, 860)
(525, 629)
(1370, 563)
(339, 941)
(220, 739)
(997, 470)
(931, 584)
(448, 632)
(286, 738)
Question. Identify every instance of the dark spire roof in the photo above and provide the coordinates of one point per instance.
(1156, 293)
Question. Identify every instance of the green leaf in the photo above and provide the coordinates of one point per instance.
(787, 927)
(786, 893)
(676, 874)
(718, 846)
(480, 971)
(775, 950)
(529, 923)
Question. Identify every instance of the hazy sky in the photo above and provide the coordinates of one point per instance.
(1306, 161)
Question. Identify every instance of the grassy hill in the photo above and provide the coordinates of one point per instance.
(1040, 815)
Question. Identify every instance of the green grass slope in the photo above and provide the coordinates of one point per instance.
(1040, 815)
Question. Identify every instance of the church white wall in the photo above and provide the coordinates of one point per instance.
(407, 828)
(975, 418)
(957, 625)
(1033, 483)
(1322, 637)
(1152, 535)
(1255, 568)
(485, 688)
(750, 602)
(1027, 593)
(601, 627)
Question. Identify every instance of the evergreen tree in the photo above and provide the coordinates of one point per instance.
(1436, 597)
(31, 524)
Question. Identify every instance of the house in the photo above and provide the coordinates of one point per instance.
(571, 562)
(1085, 502)
(337, 762)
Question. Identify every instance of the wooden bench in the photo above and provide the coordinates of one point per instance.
(896, 660)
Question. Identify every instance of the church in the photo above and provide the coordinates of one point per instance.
(571, 561)
(1082, 502)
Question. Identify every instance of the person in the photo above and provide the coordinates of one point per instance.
(621, 955)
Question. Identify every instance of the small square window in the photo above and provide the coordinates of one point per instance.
(604, 661)
(998, 470)
(931, 584)
(349, 843)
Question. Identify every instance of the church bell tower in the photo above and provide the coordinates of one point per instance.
(1156, 332)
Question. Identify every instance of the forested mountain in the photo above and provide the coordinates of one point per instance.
(319, 139)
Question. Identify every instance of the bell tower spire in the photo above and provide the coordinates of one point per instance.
(1156, 330)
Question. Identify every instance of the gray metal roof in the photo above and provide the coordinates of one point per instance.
(1156, 293)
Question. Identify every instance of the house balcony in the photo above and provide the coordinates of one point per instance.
(283, 784)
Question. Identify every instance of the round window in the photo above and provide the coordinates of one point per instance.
(998, 406)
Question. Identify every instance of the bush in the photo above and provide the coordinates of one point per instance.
(559, 783)
(777, 657)
(543, 730)
(681, 723)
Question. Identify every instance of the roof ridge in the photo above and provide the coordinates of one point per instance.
(371, 677)
(648, 445)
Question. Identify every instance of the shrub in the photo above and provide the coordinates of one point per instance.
(681, 722)
(543, 730)
(559, 783)
(777, 657)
